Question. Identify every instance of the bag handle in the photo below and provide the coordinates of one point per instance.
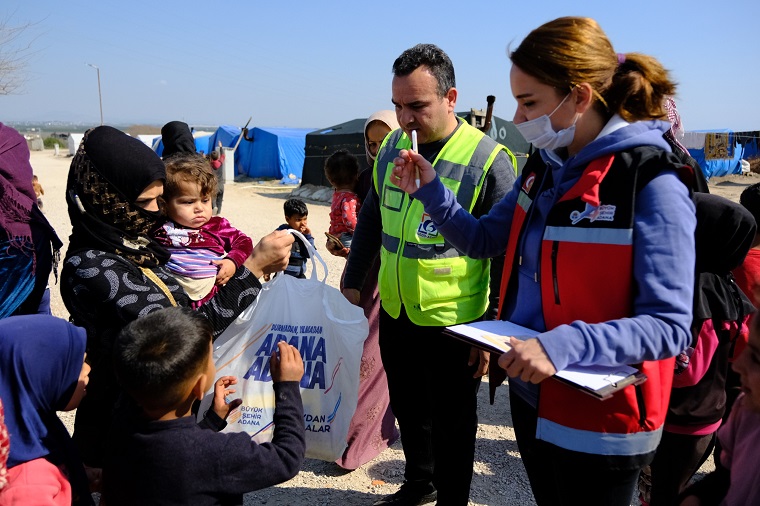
(313, 254)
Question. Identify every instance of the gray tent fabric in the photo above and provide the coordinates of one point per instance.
(350, 136)
(322, 143)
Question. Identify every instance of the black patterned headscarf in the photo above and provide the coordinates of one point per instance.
(108, 173)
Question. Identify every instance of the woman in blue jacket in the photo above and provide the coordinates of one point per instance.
(599, 240)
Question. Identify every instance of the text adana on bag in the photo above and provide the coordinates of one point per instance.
(327, 330)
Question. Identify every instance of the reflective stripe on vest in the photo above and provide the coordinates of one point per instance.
(598, 443)
(435, 282)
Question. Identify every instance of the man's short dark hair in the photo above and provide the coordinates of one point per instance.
(342, 168)
(432, 57)
(750, 199)
(154, 356)
(295, 206)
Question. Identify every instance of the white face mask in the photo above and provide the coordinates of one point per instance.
(540, 133)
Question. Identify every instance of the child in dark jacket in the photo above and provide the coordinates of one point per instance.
(296, 217)
(159, 454)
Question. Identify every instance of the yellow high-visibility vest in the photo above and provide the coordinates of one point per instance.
(437, 284)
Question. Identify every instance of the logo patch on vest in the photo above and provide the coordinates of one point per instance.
(426, 227)
(593, 213)
(528, 184)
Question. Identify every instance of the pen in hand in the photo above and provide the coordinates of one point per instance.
(416, 169)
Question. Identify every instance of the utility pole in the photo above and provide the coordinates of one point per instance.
(100, 97)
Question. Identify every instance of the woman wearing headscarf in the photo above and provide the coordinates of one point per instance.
(673, 137)
(28, 244)
(177, 139)
(373, 426)
(42, 370)
(725, 232)
(114, 272)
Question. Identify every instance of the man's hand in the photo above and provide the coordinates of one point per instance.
(286, 363)
(352, 295)
(480, 357)
(221, 390)
(271, 254)
(226, 269)
(527, 360)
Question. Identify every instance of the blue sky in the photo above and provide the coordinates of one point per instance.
(315, 64)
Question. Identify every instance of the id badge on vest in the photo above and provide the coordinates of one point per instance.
(426, 228)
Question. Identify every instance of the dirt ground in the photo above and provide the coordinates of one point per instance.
(499, 477)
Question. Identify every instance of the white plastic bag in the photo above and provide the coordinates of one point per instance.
(327, 330)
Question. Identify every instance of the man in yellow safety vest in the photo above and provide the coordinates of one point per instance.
(425, 283)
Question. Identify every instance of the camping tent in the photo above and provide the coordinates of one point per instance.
(74, 140)
(725, 159)
(267, 153)
(202, 142)
(150, 140)
(350, 136)
(322, 143)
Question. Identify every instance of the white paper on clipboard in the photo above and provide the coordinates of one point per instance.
(494, 334)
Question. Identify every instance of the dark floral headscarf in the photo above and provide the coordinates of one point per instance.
(108, 173)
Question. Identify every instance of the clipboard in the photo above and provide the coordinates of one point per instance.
(598, 381)
(335, 240)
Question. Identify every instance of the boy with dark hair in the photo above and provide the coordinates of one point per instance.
(296, 217)
(158, 453)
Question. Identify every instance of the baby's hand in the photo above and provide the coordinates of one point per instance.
(226, 270)
(286, 365)
(221, 391)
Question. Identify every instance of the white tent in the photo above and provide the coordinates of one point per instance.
(74, 141)
(150, 140)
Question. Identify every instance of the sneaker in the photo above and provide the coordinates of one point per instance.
(407, 497)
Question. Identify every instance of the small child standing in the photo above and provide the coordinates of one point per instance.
(342, 171)
(737, 482)
(43, 370)
(216, 159)
(205, 250)
(297, 217)
(38, 190)
(158, 453)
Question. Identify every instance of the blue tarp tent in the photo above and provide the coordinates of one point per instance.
(228, 135)
(202, 143)
(273, 152)
(726, 166)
